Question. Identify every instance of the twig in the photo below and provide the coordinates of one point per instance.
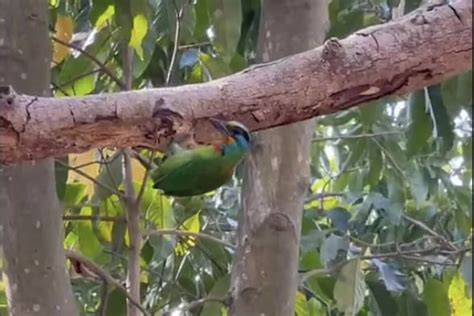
(409, 255)
(194, 304)
(104, 274)
(178, 232)
(85, 175)
(94, 59)
(94, 218)
(368, 135)
(196, 45)
(429, 230)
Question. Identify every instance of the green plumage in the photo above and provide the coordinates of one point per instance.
(206, 168)
(194, 172)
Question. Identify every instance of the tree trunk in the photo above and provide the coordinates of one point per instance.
(30, 217)
(264, 276)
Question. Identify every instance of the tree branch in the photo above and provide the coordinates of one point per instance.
(71, 255)
(178, 232)
(427, 47)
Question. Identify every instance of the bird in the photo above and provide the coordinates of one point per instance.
(190, 172)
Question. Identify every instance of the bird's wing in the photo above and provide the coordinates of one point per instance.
(180, 163)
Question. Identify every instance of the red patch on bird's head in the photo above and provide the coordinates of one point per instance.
(217, 148)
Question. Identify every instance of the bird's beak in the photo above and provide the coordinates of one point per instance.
(221, 126)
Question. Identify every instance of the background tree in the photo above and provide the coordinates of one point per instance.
(386, 217)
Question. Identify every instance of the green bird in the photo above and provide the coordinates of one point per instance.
(206, 168)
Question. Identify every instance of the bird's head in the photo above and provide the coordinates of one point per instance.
(234, 133)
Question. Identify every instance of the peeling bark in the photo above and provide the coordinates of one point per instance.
(423, 48)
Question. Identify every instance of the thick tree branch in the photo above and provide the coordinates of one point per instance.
(420, 49)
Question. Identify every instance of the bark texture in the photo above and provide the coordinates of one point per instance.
(30, 217)
(420, 49)
(265, 270)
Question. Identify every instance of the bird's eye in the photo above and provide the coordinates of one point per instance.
(239, 131)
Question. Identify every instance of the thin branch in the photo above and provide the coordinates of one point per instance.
(196, 45)
(85, 175)
(197, 303)
(358, 136)
(178, 232)
(429, 230)
(94, 218)
(96, 269)
(94, 59)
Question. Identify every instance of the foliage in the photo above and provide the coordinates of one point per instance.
(388, 215)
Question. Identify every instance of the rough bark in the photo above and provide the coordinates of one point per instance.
(30, 217)
(264, 276)
(420, 49)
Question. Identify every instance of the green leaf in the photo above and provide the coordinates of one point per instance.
(139, 31)
(331, 247)
(409, 305)
(73, 194)
(220, 289)
(301, 305)
(116, 303)
(461, 304)
(420, 125)
(436, 298)
(61, 173)
(226, 20)
(386, 305)
(89, 245)
(419, 183)
(375, 166)
(166, 20)
(349, 290)
(443, 128)
(110, 175)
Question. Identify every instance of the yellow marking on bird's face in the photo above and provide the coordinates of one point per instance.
(229, 141)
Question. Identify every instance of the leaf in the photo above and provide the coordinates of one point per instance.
(116, 303)
(375, 166)
(419, 184)
(226, 20)
(64, 29)
(436, 298)
(443, 131)
(386, 305)
(349, 290)
(73, 194)
(409, 305)
(166, 19)
(331, 247)
(461, 304)
(139, 31)
(110, 175)
(389, 276)
(219, 289)
(466, 270)
(89, 245)
(61, 173)
(301, 305)
(340, 218)
(420, 125)
(191, 224)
